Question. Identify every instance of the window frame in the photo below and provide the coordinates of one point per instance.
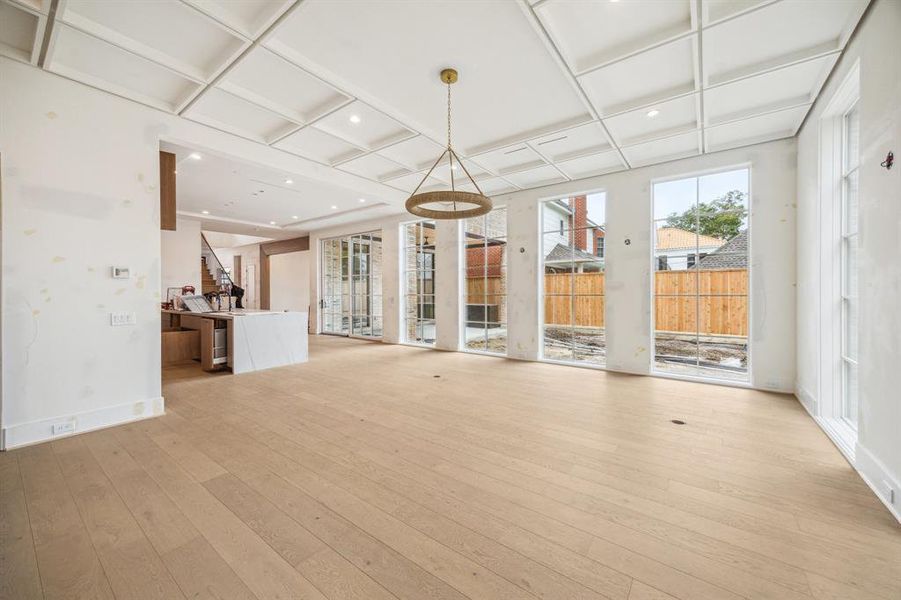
(826, 403)
(404, 270)
(540, 282)
(744, 383)
(464, 293)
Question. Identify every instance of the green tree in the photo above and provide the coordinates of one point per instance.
(721, 218)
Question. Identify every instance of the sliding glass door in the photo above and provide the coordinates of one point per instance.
(351, 302)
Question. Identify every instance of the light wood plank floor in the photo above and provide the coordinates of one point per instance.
(388, 472)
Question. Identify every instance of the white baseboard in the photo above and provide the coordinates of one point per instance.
(880, 479)
(807, 399)
(875, 474)
(26, 434)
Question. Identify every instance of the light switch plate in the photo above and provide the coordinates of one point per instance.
(118, 319)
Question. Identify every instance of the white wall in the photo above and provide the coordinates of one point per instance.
(80, 194)
(773, 189)
(877, 47)
(289, 281)
(180, 256)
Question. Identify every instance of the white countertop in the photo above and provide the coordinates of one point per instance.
(225, 314)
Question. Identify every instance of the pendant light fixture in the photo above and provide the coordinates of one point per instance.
(452, 203)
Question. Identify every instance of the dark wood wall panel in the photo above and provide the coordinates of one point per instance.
(167, 191)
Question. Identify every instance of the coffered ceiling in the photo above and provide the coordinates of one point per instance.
(549, 90)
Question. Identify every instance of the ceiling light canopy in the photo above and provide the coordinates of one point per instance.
(452, 203)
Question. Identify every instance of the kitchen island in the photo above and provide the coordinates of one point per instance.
(242, 340)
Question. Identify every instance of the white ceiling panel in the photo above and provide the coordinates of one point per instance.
(248, 17)
(776, 33)
(158, 30)
(789, 86)
(545, 175)
(373, 166)
(318, 145)
(670, 117)
(409, 182)
(507, 160)
(390, 53)
(648, 153)
(717, 10)
(415, 153)
(593, 32)
(269, 80)
(100, 64)
(492, 186)
(228, 112)
(651, 76)
(19, 32)
(585, 139)
(595, 164)
(363, 126)
(763, 128)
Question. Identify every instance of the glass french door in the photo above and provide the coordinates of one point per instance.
(351, 301)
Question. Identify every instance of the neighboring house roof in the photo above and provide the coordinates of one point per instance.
(731, 255)
(673, 238)
(565, 254)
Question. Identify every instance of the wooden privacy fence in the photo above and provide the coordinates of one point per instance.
(722, 307)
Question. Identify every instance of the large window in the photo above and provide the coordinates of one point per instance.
(573, 231)
(352, 285)
(419, 282)
(701, 274)
(849, 246)
(485, 282)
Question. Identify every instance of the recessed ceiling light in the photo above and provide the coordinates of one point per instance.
(289, 181)
(362, 199)
(295, 217)
(334, 208)
(653, 113)
(272, 222)
(206, 212)
(454, 167)
(355, 119)
(194, 156)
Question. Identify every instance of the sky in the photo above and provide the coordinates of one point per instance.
(678, 196)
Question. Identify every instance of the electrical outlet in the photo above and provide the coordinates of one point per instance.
(64, 427)
(118, 319)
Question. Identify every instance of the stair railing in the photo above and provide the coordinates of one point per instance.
(218, 272)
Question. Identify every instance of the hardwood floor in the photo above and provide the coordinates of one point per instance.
(388, 472)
